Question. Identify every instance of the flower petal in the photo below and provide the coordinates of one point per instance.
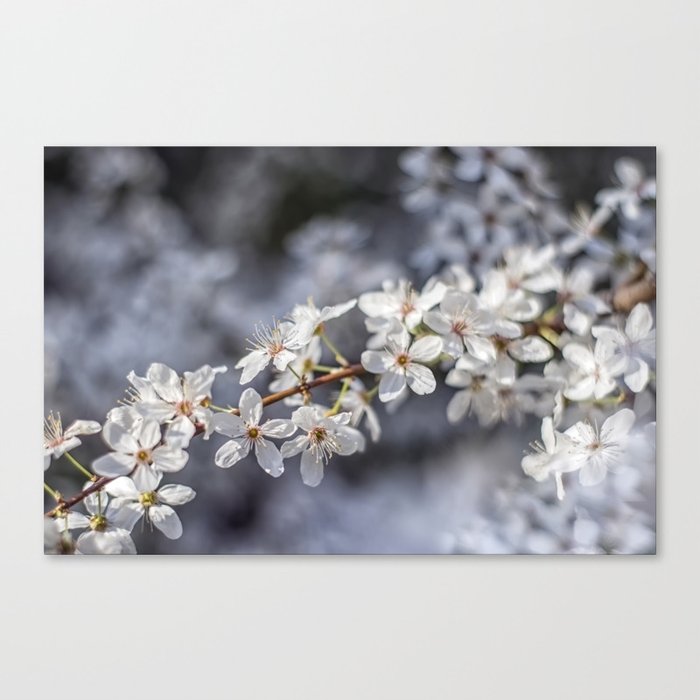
(269, 457)
(166, 382)
(295, 446)
(425, 349)
(114, 464)
(278, 428)
(166, 520)
(176, 494)
(250, 406)
(169, 459)
(391, 385)
(420, 379)
(118, 438)
(311, 469)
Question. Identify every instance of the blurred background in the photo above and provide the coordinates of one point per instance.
(174, 254)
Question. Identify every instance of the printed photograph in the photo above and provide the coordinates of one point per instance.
(350, 350)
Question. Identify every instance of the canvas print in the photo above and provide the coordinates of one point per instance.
(419, 350)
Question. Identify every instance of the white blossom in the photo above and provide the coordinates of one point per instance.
(137, 449)
(637, 345)
(595, 451)
(358, 401)
(248, 433)
(183, 402)
(463, 323)
(401, 364)
(109, 527)
(309, 314)
(58, 441)
(402, 301)
(134, 498)
(580, 306)
(594, 371)
(550, 457)
(274, 344)
(323, 436)
(632, 189)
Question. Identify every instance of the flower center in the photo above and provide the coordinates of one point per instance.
(459, 326)
(144, 456)
(402, 360)
(147, 499)
(98, 523)
(184, 408)
(253, 432)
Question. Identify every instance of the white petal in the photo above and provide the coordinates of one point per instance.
(230, 453)
(295, 446)
(580, 357)
(124, 513)
(228, 424)
(269, 457)
(375, 304)
(617, 426)
(391, 385)
(166, 382)
(146, 480)
(82, 427)
(311, 469)
(166, 520)
(306, 417)
(531, 349)
(548, 439)
(176, 494)
(420, 379)
(637, 375)
(639, 322)
(252, 364)
(330, 312)
(282, 359)
(376, 361)
(278, 428)
(481, 348)
(349, 440)
(76, 521)
(169, 459)
(118, 438)
(437, 321)
(149, 435)
(459, 405)
(425, 349)
(114, 464)
(250, 406)
(179, 433)
(122, 487)
(581, 390)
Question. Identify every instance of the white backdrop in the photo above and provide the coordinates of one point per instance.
(320, 72)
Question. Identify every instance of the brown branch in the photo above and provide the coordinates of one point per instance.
(351, 371)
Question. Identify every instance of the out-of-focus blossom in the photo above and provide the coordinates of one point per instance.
(58, 441)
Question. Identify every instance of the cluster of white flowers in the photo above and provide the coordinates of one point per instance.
(550, 328)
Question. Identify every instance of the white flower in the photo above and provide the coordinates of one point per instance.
(274, 344)
(478, 393)
(594, 370)
(109, 527)
(636, 345)
(247, 432)
(308, 314)
(164, 396)
(531, 268)
(302, 366)
(401, 363)
(633, 188)
(580, 306)
(323, 437)
(141, 496)
(532, 348)
(137, 449)
(462, 322)
(551, 456)
(58, 441)
(508, 306)
(358, 401)
(402, 301)
(595, 451)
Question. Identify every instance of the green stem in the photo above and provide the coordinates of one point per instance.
(79, 466)
(339, 400)
(325, 368)
(52, 492)
(338, 355)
